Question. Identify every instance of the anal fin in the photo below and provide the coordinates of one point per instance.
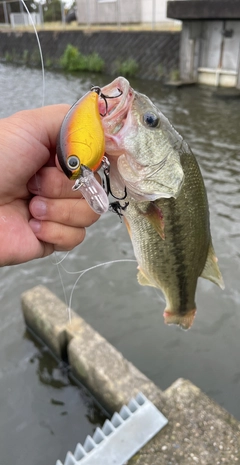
(211, 269)
(143, 280)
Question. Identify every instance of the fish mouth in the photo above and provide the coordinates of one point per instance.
(114, 104)
(118, 106)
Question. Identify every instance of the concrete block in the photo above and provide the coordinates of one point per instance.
(198, 432)
(47, 316)
(104, 370)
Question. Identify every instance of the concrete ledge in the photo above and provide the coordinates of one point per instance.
(199, 431)
(206, 9)
(47, 316)
(109, 376)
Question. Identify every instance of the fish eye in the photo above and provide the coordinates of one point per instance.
(73, 162)
(150, 119)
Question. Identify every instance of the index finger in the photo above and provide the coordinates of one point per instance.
(44, 123)
(50, 182)
(28, 140)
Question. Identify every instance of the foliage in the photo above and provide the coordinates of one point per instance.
(127, 68)
(8, 57)
(73, 60)
(34, 58)
(52, 11)
(174, 75)
(95, 63)
(49, 63)
(160, 71)
(25, 57)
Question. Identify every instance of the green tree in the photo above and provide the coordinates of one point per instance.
(52, 11)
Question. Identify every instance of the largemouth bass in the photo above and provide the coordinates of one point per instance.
(166, 207)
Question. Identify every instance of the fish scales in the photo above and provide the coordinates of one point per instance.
(187, 240)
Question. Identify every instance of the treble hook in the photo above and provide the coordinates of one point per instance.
(106, 170)
(105, 97)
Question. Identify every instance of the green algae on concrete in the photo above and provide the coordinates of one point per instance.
(198, 431)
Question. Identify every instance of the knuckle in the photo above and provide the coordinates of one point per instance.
(67, 240)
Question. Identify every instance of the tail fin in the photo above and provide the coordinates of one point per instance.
(184, 321)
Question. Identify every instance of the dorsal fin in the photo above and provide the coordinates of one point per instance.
(211, 270)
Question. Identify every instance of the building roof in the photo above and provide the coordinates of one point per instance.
(203, 9)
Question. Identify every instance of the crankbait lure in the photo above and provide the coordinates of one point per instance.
(81, 147)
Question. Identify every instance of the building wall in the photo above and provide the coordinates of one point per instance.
(154, 9)
(93, 11)
(121, 11)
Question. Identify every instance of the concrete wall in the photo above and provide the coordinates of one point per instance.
(157, 53)
(210, 52)
(212, 36)
(190, 50)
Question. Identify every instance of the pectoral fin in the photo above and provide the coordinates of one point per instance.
(128, 227)
(211, 270)
(155, 217)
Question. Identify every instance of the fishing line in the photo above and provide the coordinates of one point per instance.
(40, 50)
(62, 259)
(41, 128)
(82, 272)
(62, 284)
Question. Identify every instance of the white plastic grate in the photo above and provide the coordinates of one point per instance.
(122, 437)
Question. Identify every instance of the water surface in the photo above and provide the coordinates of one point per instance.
(41, 411)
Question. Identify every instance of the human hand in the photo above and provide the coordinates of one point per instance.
(39, 212)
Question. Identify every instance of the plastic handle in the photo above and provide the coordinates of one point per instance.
(92, 191)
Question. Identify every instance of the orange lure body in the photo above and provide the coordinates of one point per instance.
(81, 138)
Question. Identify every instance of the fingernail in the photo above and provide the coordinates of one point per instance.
(38, 208)
(35, 225)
